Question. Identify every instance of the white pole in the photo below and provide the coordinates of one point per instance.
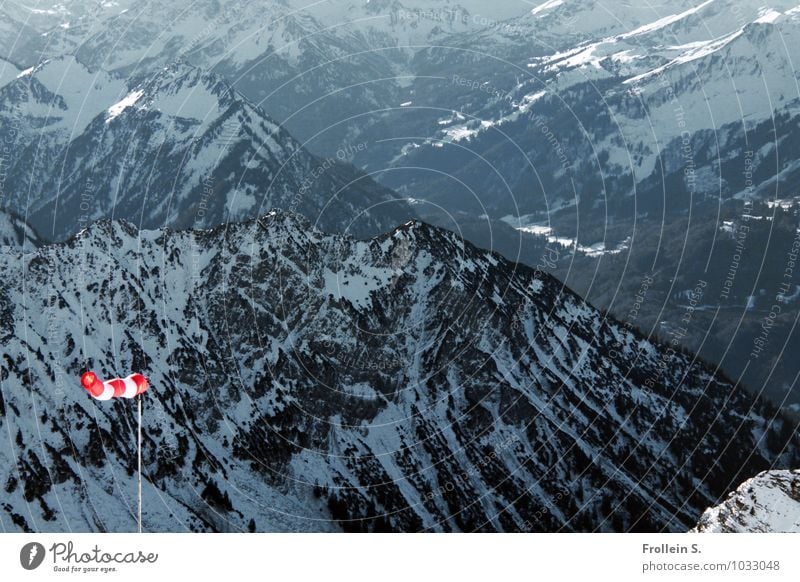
(139, 448)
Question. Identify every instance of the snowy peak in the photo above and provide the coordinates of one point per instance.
(182, 91)
(767, 503)
(564, 21)
(763, 43)
(624, 88)
(180, 148)
(698, 31)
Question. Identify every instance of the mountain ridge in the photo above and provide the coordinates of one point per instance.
(180, 148)
(308, 381)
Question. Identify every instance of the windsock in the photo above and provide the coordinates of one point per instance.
(114, 388)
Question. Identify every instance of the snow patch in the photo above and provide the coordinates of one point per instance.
(537, 229)
(768, 16)
(115, 110)
(26, 72)
(549, 5)
(701, 50)
(666, 21)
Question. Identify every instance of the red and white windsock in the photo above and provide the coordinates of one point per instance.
(115, 388)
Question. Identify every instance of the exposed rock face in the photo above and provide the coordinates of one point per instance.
(312, 382)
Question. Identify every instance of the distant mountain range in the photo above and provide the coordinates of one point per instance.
(623, 85)
(179, 149)
(287, 55)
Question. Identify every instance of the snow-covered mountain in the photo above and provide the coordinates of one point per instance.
(343, 70)
(769, 502)
(179, 148)
(381, 72)
(18, 40)
(309, 63)
(311, 382)
(34, 30)
(691, 78)
(592, 140)
(632, 108)
(41, 111)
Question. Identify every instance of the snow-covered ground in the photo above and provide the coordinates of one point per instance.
(529, 225)
(769, 502)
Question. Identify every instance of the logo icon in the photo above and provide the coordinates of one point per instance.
(31, 555)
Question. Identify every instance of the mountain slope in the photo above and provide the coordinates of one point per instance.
(410, 382)
(41, 111)
(178, 149)
(8, 72)
(311, 65)
(631, 112)
(769, 502)
(16, 234)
